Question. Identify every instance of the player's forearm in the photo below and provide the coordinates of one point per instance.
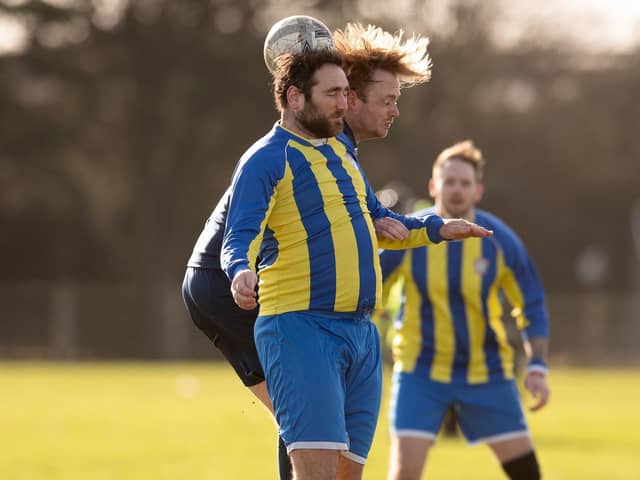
(537, 351)
(422, 232)
(231, 264)
(539, 347)
(242, 238)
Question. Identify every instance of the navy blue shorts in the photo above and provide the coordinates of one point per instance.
(487, 412)
(207, 295)
(324, 376)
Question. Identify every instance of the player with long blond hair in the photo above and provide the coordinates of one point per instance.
(378, 65)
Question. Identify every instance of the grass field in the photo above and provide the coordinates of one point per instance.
(195, 421)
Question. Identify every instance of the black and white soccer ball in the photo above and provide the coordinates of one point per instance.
(295, 34)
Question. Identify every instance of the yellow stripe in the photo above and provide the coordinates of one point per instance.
(495, 319)
(254, 246)
(407, 342)
(438, 290)
(361, 191)
(389, 305)
(342, 234)
(516, 298)
(290, 272)
(416, 238)
(472, 294)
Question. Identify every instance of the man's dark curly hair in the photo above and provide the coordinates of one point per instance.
(298, 70)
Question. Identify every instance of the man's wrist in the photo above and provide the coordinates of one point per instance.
(433, 225)
(238, 270)
(537, 365)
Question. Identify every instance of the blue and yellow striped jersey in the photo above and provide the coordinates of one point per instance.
(305, 209)
(450, 325)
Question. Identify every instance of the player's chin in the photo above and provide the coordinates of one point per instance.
(456, 212)
(337, 125)
(384, 131)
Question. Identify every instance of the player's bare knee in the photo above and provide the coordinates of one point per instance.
(312, 464)
(408, 457)
(349, 469)
(406, 470)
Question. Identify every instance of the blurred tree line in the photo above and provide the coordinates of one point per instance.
(121, 123)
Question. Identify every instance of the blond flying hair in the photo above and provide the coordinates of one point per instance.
(366, 49)
(465, 151)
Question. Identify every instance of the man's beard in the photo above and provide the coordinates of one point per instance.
(316, 124)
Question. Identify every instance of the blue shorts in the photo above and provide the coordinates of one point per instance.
(324, 376)
(488, 412)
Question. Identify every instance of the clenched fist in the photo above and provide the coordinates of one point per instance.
(243, 289)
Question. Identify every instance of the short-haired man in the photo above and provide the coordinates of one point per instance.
(450, 346)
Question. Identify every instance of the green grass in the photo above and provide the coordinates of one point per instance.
(195, 421)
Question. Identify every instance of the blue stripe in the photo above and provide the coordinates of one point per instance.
(364, 240)
(268, 249)
(322, 267)
(390, 260)
(492, 357)
(419, 269)
(458, 312)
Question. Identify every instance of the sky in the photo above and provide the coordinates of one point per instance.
(589, 25)
(594, 25)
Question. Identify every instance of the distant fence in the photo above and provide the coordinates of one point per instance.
(85, 321)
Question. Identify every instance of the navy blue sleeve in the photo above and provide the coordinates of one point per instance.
(522, 285)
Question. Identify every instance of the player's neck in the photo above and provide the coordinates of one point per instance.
(358, 134)
(350, 132)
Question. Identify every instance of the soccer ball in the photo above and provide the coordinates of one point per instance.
(299, 33)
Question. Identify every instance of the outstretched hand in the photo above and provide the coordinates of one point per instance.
(243, 289)
(388, 227)
(537, 385)
(459, 229)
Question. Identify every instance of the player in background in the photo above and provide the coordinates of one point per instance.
(450, 346)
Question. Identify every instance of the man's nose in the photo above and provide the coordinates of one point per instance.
(342, 102)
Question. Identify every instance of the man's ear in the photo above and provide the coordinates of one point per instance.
(432, 188)
(479, 192)
(295, 98)
(352, 99)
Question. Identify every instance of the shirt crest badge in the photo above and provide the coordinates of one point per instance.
(481, 265)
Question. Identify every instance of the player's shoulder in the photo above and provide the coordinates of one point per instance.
(502, 233)
(346, 140)
(491, 221)
(266, 152)
(423, 212)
